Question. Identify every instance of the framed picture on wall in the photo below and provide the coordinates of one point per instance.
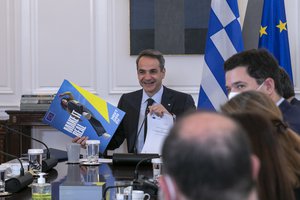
(170, 26)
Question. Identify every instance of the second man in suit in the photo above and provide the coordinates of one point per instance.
(257, 69)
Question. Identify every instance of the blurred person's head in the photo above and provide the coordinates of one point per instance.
(288, 140)
(254, 69)
(287, 86)
(208, 156)
(273, 182)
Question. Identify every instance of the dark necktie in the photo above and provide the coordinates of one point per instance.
(150, 102)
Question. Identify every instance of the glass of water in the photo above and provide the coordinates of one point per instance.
(35, 157)
(92, 151)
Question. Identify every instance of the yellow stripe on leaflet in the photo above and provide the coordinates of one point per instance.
(99, 104)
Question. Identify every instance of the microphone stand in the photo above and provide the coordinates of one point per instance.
(47, 163)
(136, 175)
(142, 184)
(145, 118)
(145, 184)
(137, 135)
(15, 184)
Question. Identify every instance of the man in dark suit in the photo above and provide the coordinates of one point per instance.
(151, 71)
(288, 91)
(257, 69)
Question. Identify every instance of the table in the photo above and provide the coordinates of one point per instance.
(15, 144)
(104, 173)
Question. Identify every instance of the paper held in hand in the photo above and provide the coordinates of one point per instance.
(158, 129)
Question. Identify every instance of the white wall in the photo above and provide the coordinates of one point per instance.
(87, 42)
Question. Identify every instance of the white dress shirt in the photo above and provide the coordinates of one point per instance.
(157, 100)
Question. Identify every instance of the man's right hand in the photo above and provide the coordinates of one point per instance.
(80, 140)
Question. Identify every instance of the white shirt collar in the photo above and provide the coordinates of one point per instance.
(280, 101)
(156, 97)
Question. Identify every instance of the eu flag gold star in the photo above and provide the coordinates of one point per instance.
(263, 31)
(281, 26)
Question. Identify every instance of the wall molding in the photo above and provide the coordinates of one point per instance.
(8, 47)
(31, 58)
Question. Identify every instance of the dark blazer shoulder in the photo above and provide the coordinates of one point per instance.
(177, 102)
(295, 102)
(177, 94)
(130, 98)
(291, 114)
(133, 94)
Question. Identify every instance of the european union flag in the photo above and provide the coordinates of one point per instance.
(273, 34)
(224, 38)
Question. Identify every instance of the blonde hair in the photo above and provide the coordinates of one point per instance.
(288, 140)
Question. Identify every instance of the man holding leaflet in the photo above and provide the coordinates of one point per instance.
(153, 97)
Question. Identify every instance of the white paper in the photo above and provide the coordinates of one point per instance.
(158, 129)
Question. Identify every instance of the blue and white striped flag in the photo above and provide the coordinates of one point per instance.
(224, 38)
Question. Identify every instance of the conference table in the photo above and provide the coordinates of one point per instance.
(105, 172)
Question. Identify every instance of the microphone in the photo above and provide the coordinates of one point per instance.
(138, 134)
(145, 184)
(131, 158)
(136, 175)
(47, 163)
(139, 184)
(16, 184)
(150, 102)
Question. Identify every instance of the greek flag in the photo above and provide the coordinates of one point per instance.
(273, 34)
(224, 38)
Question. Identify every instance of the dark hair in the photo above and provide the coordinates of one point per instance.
(286, 84)
(217, 168)
(260, 65)
(288, 140)
(273, 180)
(152, 54)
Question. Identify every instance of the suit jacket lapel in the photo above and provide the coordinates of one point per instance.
(136, 101)
(167, 99)
(134, 110)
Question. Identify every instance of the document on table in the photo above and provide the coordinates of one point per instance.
(158, 129)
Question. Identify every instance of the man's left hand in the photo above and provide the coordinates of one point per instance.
(158, 109)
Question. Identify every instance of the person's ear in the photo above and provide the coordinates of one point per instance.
(255, 163)
(269, 86)
(167, 186)
(164, 72)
